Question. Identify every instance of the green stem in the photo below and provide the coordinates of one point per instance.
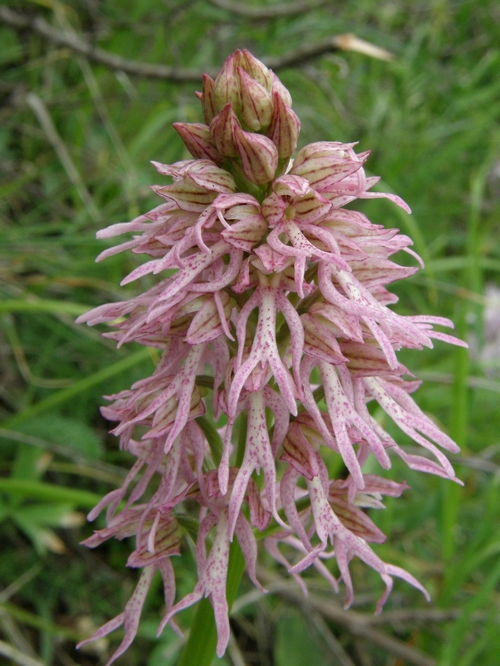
(202, 642)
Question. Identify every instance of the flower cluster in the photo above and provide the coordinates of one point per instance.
(271, 316)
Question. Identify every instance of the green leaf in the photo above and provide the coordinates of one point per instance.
(48, 492)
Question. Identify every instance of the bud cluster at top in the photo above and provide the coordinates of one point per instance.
(249, 123)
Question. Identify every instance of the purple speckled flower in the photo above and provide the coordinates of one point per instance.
(275, 324)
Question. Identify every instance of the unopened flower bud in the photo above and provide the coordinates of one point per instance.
(227, 86)
(207, 99)
(259, 156)
(285, 127)
(198, 141)
(256, 69)
(278, 87)
(222, 131)
(257, 106)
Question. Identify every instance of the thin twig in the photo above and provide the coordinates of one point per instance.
(7, 622)
(269, 12)
(355, 623)
(77, 44)
(94, 53)
(346, 42)
(420, 616)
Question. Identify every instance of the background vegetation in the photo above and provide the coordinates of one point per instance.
(76, 138)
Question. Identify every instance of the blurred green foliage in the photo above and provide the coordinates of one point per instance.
(76, 139)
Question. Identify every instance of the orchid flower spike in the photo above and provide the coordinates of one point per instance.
(271, 315)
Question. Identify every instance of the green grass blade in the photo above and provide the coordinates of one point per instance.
(43, 305)
(47, 492)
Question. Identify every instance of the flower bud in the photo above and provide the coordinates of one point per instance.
(165, 416)
(273, 209)
(257, 106)
(188, 196)
(259, 156)
(285, 127)
(207, 99)
(227, 86)
(256, 69)
(258, 378)
(198, 141)
(323, 149)
(222, 131)
(278, 87)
